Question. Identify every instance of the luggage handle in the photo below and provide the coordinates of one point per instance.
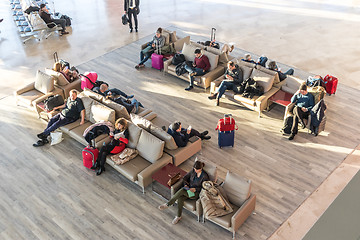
(212, 38)
(56, 58)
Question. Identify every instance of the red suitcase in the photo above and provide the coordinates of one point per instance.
(226, 124)
(89, 155)
(157, 61)
(330, 84)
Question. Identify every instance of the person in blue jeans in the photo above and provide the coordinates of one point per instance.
(105, 91)
(157, 43)
(71, 112)
(261, 61)
(233, 80)
(200, 67)
(282, 76)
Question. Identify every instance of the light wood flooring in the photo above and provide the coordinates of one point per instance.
(48, 194)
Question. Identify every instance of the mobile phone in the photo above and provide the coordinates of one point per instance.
(186, 188)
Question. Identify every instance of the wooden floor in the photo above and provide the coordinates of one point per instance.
(48, 194)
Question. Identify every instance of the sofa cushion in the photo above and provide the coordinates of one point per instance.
(188, 51)
(119, 109)
(59, 78)
(100, 112)
(247, 64)
(77, 132)
(134, 134)
(173, 37)
(244, 100)
(130, 169)
(87, 102)
(140, 121)
(263, 79)
(213, 50)
(237, 188)
(150, 147)
(93, 95)
(292, 84)
(213, 59)
(246, 71)
(43, 82)
(161, 134)
(29, 96)
(197, 45)
(166, 35)
(225, 220)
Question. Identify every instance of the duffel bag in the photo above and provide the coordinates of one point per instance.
(53, 101)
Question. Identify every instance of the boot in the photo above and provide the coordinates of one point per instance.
(95, 166)
(100, 170)
(212, 96)
(217, 102)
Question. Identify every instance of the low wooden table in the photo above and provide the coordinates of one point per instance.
(161, 178)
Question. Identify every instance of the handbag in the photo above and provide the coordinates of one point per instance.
(174, 179)
(53, 101)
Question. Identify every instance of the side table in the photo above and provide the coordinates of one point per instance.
(281, 98)
(161, 178)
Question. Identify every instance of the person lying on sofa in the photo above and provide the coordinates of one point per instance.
(233, 80)
(119, 139)
(157, 43)
(201, 66)
(105, 91)
(182, 135)
(192, 186)
(131, 106)
(261, 61)
(304, 102)
(282, 76)
(72, 110)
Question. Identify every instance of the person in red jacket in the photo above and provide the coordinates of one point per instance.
(119, 139)
(201, 66)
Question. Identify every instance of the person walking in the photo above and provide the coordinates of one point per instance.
(131, 8)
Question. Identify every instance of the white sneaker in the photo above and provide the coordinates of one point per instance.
(176, 220)
(163, 206)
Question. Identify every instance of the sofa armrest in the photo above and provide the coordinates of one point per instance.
(215, 84)
(27, 88)
(143, 46)
(176, 186)
(42, 98)
(199, 208)
(280, 84)
(243, 213)
(178, 45)
(73, 85)
(167, 63)
(212, 75)
(262, 101)
(144, 177)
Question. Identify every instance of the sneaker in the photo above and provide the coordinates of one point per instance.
(204, 133)
(176, 220)
(212, 96)
(205, 137)
(163, 206)
(40, 143)
(291, 137)
(130, 96)
(40, 135)
(163, 128)
(192, 74)
(63, 33)
(137, 66)
(189, 88)
(131, 31)
(136, 30)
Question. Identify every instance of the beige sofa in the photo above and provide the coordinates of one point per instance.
(179, 155)
(238, 191)
(62, 83)
(266, 78)
(216, 61)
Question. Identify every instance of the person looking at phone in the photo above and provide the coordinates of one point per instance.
(200, 67)
(182, 135)
(192, 184)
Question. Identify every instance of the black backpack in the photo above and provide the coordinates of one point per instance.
(177, 59)
(53, 101)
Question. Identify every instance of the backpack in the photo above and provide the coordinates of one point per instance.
(314, 82)
(67, 19)
(53, 101)
(177, 59)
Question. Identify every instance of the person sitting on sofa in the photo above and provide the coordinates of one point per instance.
(45, 15)
(201, 66)
(233, 79)
(157, 43)
(192, 186)
(261, 61)
(105, 91)
(182, 135)
(119, 139)
(70, 75)
(73, 108)
(304, 102)
(282, 76)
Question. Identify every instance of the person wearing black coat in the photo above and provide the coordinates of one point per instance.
(131, 8)
(317, 115)
(192, 185)
(182, 135)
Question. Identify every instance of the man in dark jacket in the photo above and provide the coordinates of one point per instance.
(233, 80)
(71, 112)
(182, 135)
(200, 67)
(45, 15)
(131, 8)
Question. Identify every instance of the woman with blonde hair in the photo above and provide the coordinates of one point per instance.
(119, 139)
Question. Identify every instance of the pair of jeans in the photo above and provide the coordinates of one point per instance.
(55, 122)
(197, 71)
(132, 12)
(181, 195)
(289, 72)
(225, 85)
(61, 22)
(116, 91)
(262, 61)
(299, 115)
(104, 151)
(145, 54)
